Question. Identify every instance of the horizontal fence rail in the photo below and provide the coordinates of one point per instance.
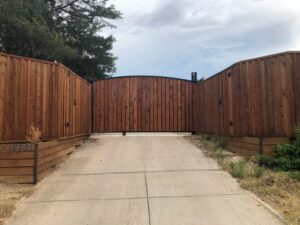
(44, 94)
(143, 104)
(258, 97)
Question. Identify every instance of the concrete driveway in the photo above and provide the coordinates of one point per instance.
(140, 180)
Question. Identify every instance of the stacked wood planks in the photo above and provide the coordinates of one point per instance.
(143, 104)
(29, 163)
(252, 146)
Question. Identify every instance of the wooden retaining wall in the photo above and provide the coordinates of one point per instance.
(253, 98)
(29, 163)
(252, 146)
(143, 104)
(45, 94)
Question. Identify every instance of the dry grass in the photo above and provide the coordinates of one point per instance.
(10, 194)
(34, 134)
(276, 188)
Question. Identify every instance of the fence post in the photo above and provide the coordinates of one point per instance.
(92, 106)
(194, 77)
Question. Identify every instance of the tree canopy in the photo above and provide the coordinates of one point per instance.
(68, 31)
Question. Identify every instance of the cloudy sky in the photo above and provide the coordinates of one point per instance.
(174, 38)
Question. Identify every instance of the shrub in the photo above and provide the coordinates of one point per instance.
(295, 175)
(285, 157)
(244, 169)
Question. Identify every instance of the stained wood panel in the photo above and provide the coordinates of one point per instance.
(150, 104)
(256, 98)
(44, 94)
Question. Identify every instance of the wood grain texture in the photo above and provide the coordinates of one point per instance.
(146, 104)
(44, 94)
(256, 98)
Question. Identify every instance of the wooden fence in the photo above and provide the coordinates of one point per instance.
(257, 98)
(143, 104)
(44, 94)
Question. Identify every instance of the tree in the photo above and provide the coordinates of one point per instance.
(24, 31)
(64, 30)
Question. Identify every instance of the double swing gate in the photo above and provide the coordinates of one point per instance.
(143, 104)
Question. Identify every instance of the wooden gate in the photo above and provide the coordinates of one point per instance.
(143, 104)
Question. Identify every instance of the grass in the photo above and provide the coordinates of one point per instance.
(279, 189)
(10, 194)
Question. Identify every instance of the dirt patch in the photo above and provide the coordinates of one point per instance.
(10, 194)
(277, 189)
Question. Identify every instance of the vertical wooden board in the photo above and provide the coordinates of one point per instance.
(175, 106)
(151, 104)
(3, 86)
(124, 105)
(291, 94)
(110, 105)
(225, 104)
(16, 100)
(115, 102)
(72, 105)
(144, 104)
(285, 96)
(192, 106)
(246, 79)
(253, 119)
(131, 104)
(179, 105)
(44, 99)
(164, 116)
(118, 105)
(96, 103)
(24, 101)
(135, 106)
(67, 106)
(283, 117)
(139, 105)
(9, 109)
(58, 84)
(147, 104)
(237, 107)
(155, 108)
(270, 102)
(171, 105)
(167, 103)
(296, 74)
(127, 102)
(187, 106)
(159, 104)
(230, 104)
(183, 106)
(106, 104)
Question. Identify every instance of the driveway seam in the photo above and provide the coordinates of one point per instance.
(135, 172)
(137, 198)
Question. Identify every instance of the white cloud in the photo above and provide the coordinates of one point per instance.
(166, 37)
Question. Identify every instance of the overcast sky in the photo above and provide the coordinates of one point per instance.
(174, 38)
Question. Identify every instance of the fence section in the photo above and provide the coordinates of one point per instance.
(258, 97)
(44, 94)
(143, 104)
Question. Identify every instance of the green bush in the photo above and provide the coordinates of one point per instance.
(295, 175)
(285, 157)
